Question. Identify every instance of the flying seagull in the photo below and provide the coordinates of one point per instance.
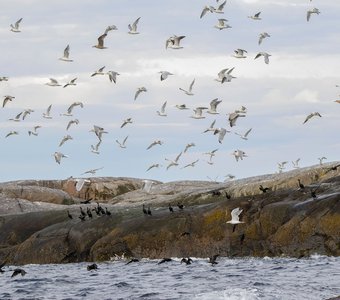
(71, 82)
(296, 164)
(219, 9)
(154, 143)
(122, 145)
(7, 99)
(164, 74)
(95, 149)
(221, 133)
(187, 146)
(256, 16)
(211, 153)
(58, 156)
(240, 53)
(225, 75)
(192, 164)
(53, 82)
(206, 9)
(239, 154)
(71, 107)
(262, 36)
(133, 27)
(321, 159)
(75, 121)
(100, 44)
(98, 72)
(198, 112)
(66, 54)
(181, 106)
(213, 106)
(13, 132)
(139, 90)
(211, 127)
(222, 24)
(162, 112)
(173, 42)
(15, 27)
(3, 78)
(235, 217)
(98, 131)
(189, 92)
(153, 166)
(312, 11)
(244, 136)
(173, 162)
(233, 118)
(92, 171)
(126, 121)
(112, 76)
(311, 115)
(34, 131)
(265, 56)
(16, 118)
(65, 139)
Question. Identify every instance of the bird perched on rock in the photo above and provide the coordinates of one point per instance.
(170, 208)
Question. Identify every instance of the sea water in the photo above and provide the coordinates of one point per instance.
(317, 277)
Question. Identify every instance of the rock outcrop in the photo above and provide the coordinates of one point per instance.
(35, 225)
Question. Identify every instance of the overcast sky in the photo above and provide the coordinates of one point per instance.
(301, 78)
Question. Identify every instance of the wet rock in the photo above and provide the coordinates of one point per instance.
(285, 221)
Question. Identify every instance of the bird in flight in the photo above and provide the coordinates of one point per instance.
(189, 91)
(66, 55)
(311, 115)
(15, 27)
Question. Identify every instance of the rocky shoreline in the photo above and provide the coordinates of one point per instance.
(284, 221)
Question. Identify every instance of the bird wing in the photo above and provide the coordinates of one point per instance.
(308, 15)
(245, 135)
(101, 40)
(178, 156)
(163, 107)
(134, 25)
(137, 93)
(204, 11)
(221, 135)
(307, 118)
(67, 51)
(258, 55)
(191, 85)
(220, 7)
(16, 25)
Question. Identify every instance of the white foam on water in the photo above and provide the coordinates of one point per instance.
(230, 294)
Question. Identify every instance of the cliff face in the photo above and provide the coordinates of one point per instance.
(286, 220)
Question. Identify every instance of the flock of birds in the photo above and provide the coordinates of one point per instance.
(224, 76)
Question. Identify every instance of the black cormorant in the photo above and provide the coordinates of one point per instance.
(165, 259)
(212, 259)
(263, 189)
(92, 267)
(18, 271)
(187, 261)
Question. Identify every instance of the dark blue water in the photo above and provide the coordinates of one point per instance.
(249, 278)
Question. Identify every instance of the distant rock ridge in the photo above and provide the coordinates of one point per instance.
(285, 220)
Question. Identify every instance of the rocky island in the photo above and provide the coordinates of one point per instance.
(41, 220)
